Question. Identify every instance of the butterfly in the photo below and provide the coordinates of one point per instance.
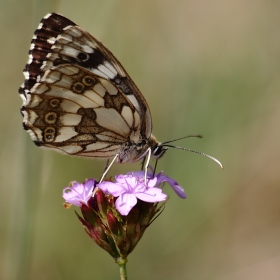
(79, 100)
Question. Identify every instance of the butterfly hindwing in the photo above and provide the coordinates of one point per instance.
(72, 107)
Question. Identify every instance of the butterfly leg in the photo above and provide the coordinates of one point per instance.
(155, 168)
(148, 156)
(142, 163)
(108, 167)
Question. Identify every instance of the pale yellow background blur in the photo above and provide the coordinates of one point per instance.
(207, 67)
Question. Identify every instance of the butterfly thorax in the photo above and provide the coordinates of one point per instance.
(134, 151)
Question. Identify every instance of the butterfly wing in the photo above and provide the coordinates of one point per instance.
(79, 113)
(77, 96)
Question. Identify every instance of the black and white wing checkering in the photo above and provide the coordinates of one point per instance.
(59, 41)
(78, 99)
(43, 39)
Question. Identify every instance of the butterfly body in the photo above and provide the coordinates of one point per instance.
(79, 100)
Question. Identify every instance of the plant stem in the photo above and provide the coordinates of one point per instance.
(122, 264)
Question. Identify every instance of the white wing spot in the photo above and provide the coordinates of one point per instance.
(35, 134)
(51, 40)
(69, 106)
(110, 119)
(31, 117)
(127, 115)
(136, 119)
(69, 70)
(70, 119)
(69, 149)
(87, 49)
(79, 99)
(30, 58)
(40, 88)
(26, 75)
(134, 101)
(98, 73)
(110, 67)
(109, 136)
(38, 78)
(73, 31)
(69, 51)
(32, 46)
(40, 25)
(65, 133)
(35, 100)
(111, 89)
(52, 77)
(47, 15)
(149, 124)
(99, 89)
(97, 99)
(106, 71)
(96, 146)
(64, 38)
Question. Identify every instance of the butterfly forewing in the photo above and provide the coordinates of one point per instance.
(50, 27)
(78, 99)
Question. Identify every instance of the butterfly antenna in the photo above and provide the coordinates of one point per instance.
(193, 151)
(188, 136)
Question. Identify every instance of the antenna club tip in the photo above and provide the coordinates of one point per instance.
(199, 136)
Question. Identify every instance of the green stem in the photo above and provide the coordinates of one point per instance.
(122, 264)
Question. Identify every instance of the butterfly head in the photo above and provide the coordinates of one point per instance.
(133, 151)
(158, 150)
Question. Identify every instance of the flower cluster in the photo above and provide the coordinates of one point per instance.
(116, 214)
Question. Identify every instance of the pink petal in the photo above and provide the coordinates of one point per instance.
(112, 188)
(152, 182)
(125, 202)
(174, 185)
(151, 195)
(78, 194)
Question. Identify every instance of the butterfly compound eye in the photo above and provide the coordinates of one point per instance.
(158, 151)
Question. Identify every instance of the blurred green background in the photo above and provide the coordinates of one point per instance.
(207, 67)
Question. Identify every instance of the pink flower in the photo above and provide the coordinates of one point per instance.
(161, 179)
(116, 214)
(128, 188)
(79, 194)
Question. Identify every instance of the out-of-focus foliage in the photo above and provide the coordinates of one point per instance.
(207, 67)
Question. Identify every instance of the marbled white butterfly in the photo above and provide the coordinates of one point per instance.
(79, 100)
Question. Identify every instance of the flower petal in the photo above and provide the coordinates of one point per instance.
(112, 188)
(151, 195)
(174, 185)
(79, 194)
(125, 202)
(152, 182)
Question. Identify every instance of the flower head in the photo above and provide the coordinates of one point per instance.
(116, 214)
(128, 188)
